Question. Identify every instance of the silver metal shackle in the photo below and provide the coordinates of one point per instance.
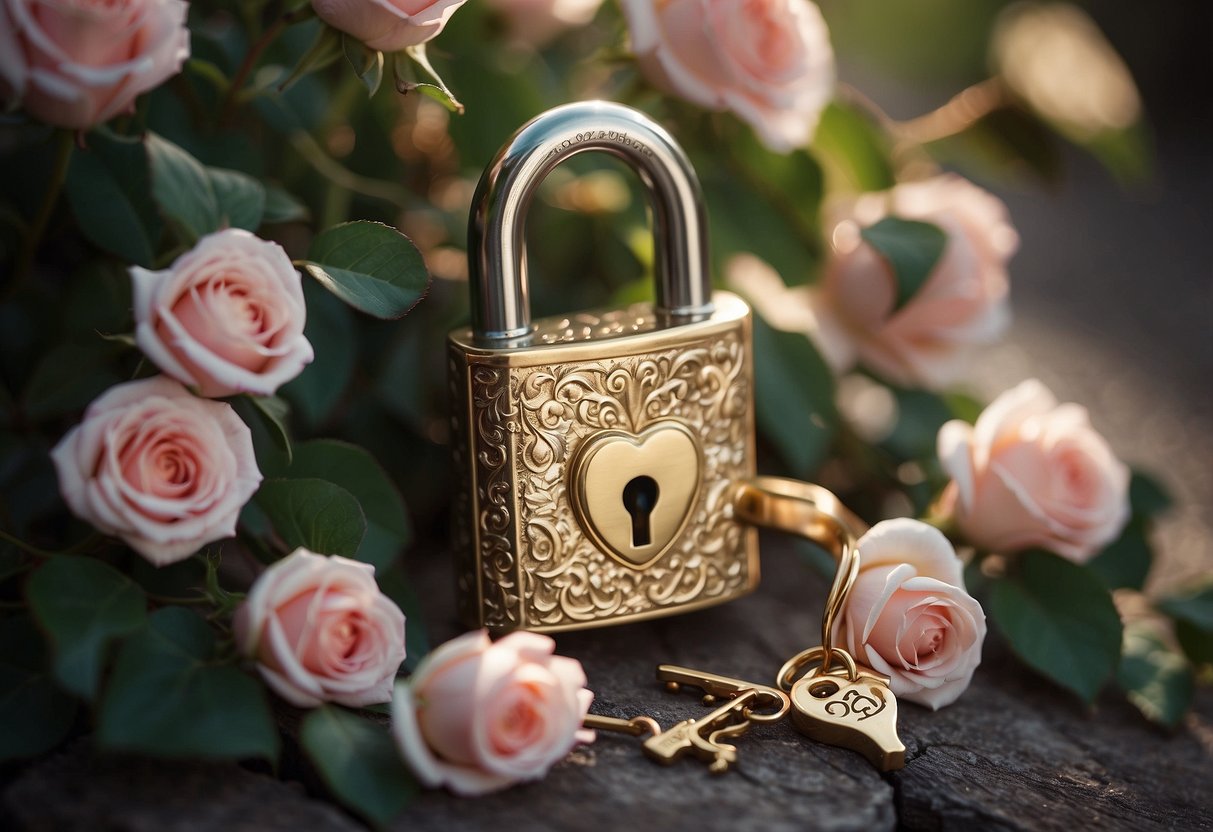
(497, 268)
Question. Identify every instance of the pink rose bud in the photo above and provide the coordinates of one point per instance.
(76, 63)
(1034, 473)
(158, 467)
(477, 715)
(768, 61)
(227, 317)
(321, 631)
(908, 615)
(388, 25)
(963, 303)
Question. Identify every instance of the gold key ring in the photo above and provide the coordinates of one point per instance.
(816, 655)
(814, 513)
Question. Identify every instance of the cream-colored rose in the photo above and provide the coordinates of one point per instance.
(1034, 473)
(478, 715)
(388, 25)
(963, 303)
(227, 317)
(538, 21)
(76, 63)
(160, 468)
(321, 631)
(909, 616)
(768, 61)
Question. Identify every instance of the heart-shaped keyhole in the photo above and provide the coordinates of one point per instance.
(639, 498)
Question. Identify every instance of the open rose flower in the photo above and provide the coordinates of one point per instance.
(76, 63)
(768, 61)
(1032, 472)
(909, 616)
(962, 304)
(388, 25)
(226, 317)
(321, 631)
(478, 715)
(158, 467)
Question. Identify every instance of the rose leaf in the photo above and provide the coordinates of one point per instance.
(1193, 616)
(1125, 562)
(169, 697)
(370, 266)
(183, 188)
(315, 514)
(367, 63)
(911, 249)
(35, 714)
(358, 762)
(1059, 618)
(1156, 679)
(317, 390)
(240, 197)
(83, 604)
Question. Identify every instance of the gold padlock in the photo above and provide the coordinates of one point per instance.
(598, 453)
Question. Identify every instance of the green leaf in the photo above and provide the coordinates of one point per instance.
(325, 49)
(794, 397)
(317, 390)
(396, 586)
(1156, 679)
(315, 514)
(1197, 644)
(1193, 614)
(282, 206)
(35, 714)
(183, 187)
(170, 697)
(367, 63)
(354, 469)
(405, 80)
(68, 378)
(853, 148)
(1060, 619)
(240, 198)
(920, 414)
(109, 187)
(1125, 562)
(83, 605)
(358, 762)
(370, 266)
(274, 412)
(911, 249)
(1147, 495)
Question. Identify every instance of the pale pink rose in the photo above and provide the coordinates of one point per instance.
(1034, 473)
(76, 63)
(909, 617)
(227, 317)
(963, 303)
(478, 715)
(388, 25)
(158, 467)
(321, 631)
(538, 21)
(768, 61)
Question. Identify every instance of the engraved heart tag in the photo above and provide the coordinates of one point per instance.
(860, 715)
(633, 493)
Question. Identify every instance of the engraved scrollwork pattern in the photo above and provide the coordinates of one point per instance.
(566, 579)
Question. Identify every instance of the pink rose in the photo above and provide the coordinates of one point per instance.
(321, 631)
(908, 616)
(158, 467)
(1034, 473)
(76, 63)
(227, 317)
(769, 61)
(962, 304)
(478, 715)
(388, 25)
(538, 21)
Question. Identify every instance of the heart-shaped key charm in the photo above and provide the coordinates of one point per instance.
(859, 714)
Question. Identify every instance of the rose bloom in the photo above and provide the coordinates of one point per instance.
(962, 304)
(388, 25)
(909, 617)
(478, 715)
(321, 631)
(226, 317)
(1034, 473)
(76, 63)
(768, 61)
(158, 467)
(538, 21)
